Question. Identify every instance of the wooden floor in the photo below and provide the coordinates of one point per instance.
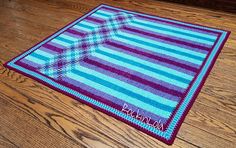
(32, 115)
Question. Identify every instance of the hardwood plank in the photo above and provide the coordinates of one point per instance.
(69, 116)
(20, 130)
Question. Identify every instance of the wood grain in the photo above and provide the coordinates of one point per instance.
(35, 115)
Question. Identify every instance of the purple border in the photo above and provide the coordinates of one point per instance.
(173, 136)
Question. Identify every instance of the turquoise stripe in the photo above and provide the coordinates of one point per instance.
(35, 60)
(169, 78)
(105, 12)
(141, 44)
(38, 56)
(91, 25)
(129, 87)
(43, 53)
(170, 47)
(82, 28)
(149, 65)
(193, 89)
(102, 14)
(178, 30)
(118, 92)
(145, 26)
(140, 69)
(64, 40)
(80, 25)
(59, 42)
(68, 37)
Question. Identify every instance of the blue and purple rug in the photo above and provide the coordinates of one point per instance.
(143, 70)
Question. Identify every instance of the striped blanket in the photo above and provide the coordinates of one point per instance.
(141, 69)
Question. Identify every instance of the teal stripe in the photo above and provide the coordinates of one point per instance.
(149, 65)
(129, 87)
(116, 91)
(102, 14)
(178, 30)
(91, 25)
(71, 38)
(169, 78)
(43, 53)
(64, 40)
(194, 87)
(62, 43)
(150, 28)
(141, 44)
(139, 69)
(172, 48)
(34, 54)
(35, 60)
(82, 28)
(80, 25)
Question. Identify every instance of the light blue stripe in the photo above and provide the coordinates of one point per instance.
(62, 43)
(64, 40)
(34, 54)
(140, 69)
(141, 44)
(98, 15)
(176, 49)
(159, 30)
(43, 53)
(71, 38)
(120, 95)
(84, 27)
(104, 13)
(179, 30)
(193, 89)
(129, 87)
(168, 20)
(35, 60)
(173, 79)
(87, 23)
(147, 63)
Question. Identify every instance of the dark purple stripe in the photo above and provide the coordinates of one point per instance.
(178, 25)
(127, 80)
(72, 31)
(156, 57)
(135, 78)
(105, 98)
(28, 64)
(164, 38)
(53, 48)
(110, 9)
(94, 20)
